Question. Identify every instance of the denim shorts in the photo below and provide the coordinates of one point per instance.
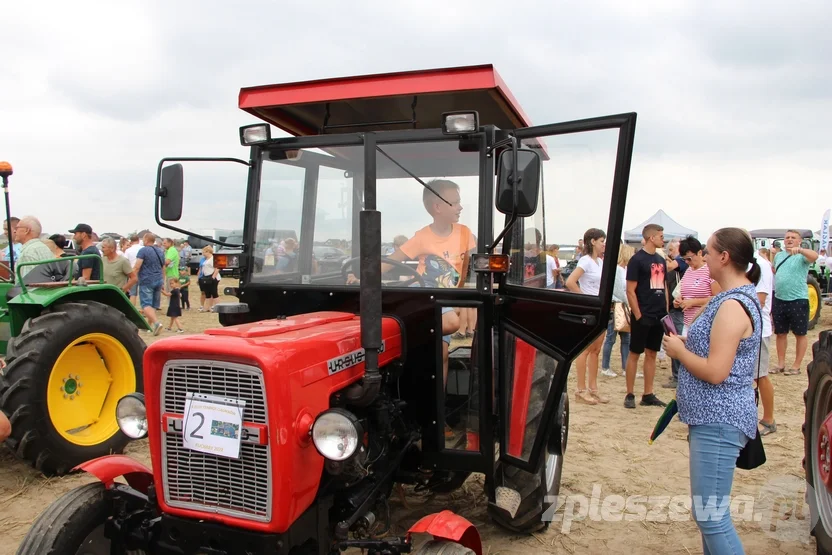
(150, 296)
(134, 291)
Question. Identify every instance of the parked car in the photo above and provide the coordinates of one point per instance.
(329, 259)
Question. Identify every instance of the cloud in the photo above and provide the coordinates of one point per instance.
(733, 99)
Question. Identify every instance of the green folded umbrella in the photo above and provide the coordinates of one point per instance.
(669, 412)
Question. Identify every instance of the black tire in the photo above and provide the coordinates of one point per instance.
(443, 547)
(537, 496)
(69, 523)
(812, 283)
(23, 385)
(818, 404)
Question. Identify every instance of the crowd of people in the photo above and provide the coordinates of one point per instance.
(712, 308)
(144, 267)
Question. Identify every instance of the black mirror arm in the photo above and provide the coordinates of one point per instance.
(162, 192)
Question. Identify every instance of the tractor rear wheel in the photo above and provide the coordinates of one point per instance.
(72, 525)
(818, 407)
(815, 301)
(537, 492)
(65, 373)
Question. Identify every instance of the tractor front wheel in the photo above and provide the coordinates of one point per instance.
(815, 301)
(816, 442)
(72, 525)
(65, 373)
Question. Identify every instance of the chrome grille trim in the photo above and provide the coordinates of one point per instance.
(203, 482)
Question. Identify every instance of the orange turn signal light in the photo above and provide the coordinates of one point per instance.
(226, 261)
(490, 262)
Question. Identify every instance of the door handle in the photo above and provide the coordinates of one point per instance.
(583, 319)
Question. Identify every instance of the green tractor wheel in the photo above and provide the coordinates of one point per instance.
(65, 373)
(815, 301)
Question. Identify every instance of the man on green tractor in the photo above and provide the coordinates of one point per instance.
(28, 233)
(88, 268)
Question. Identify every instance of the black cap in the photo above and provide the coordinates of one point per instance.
(84, 228)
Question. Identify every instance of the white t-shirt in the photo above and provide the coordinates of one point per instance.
(766, 285)
(590, 281)
(208, 268)
(550, 267)
(131, 253)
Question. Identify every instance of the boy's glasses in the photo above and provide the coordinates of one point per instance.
(687, 258)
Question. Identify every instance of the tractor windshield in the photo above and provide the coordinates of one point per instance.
(307, 221)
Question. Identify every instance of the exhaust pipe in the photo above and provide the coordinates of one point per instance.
(369, 228)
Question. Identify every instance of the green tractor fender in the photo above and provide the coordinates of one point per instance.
(31, 303)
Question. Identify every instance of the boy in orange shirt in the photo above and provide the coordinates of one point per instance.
(442, 248)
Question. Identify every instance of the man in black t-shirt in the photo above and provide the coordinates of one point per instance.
(648, 299)
(89, 268)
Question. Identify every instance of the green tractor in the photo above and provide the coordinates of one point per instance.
(72, 351)
(815, 281)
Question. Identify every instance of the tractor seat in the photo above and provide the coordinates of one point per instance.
(52, 274)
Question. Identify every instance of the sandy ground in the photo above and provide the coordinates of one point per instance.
(607, 456)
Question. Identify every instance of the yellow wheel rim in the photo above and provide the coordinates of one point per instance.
(813, 302)
(88, 379)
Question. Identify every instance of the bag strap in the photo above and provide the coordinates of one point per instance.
(784, 261)
(760, 350)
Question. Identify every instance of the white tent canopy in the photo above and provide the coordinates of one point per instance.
(672, 229)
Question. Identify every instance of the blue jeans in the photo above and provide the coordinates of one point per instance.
(609, 341)
(678, 321)
(713, 456)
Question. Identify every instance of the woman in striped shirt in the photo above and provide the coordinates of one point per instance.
(697, 286)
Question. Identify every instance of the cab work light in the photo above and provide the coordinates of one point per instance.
(460, 123)
(254, 134)
(490, 263)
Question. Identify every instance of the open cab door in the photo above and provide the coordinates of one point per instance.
(584, 168)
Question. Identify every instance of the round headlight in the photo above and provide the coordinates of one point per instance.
(132, 416)
(336, 434)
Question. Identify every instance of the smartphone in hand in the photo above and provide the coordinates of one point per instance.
(669, 326)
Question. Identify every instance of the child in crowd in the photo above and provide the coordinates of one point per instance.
(175, 306)
(184, 282)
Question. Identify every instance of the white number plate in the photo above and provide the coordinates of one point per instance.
(212, 424)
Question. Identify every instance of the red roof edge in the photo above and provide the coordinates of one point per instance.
(255, 99)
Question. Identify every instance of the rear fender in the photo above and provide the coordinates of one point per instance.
(449, 526)
(110, 467)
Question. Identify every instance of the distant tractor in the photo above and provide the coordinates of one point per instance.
(72, 351)
(815, 281)
(287, 430)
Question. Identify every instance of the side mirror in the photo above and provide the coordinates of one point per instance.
(169, 190)
(527, 185)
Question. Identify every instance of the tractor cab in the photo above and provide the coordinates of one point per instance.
(400, 313)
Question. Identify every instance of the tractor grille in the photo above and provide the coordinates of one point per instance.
(204, 482)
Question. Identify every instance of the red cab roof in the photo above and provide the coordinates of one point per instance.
(301, 108)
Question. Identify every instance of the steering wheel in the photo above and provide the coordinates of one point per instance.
(417, 277)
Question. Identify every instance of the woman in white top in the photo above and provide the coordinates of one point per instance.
(586, 279)
(210, 280)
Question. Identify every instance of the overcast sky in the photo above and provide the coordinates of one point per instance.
(734, 99)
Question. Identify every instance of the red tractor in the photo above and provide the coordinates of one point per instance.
(286, 430)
